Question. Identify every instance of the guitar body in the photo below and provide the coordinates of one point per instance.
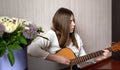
(66, 52)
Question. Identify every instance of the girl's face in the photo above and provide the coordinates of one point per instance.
(72, 24)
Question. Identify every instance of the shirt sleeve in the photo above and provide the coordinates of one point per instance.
(35, 48)
(38, 46)
(37, 52)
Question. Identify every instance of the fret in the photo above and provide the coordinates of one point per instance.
(78, 60)
(95, 54)
(99, 53)
(82, 59)
(87, 57)
(90, 55)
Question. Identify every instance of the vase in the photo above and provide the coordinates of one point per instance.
(20, 61)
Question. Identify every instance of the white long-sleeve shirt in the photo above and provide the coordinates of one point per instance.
(35, 47)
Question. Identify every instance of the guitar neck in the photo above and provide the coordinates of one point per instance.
(115, 47)
(86, 57)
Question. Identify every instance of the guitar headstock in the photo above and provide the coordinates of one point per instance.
(115, 47)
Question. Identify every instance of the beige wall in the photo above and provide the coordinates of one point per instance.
(93, 21)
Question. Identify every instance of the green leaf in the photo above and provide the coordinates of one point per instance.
(2, 51)
(22, 40)
(10, 56)
(14, 47)
(2, 43)
(40, 30)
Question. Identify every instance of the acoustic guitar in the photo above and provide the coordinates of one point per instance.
(68, 53)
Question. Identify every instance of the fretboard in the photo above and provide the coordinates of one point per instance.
(86, 57)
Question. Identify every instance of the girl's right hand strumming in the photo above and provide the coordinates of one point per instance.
(58, 58)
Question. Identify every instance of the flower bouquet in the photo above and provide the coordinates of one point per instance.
(14, 33)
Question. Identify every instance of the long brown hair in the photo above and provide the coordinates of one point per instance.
(61, 23)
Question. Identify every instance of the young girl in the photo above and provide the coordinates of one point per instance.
(61, 35)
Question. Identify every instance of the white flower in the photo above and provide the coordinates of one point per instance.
(16, 22)
(27, 28)
(10, 24)
(10, 27)
(24, 22)
(5, 19)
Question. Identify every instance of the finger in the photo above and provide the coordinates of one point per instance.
(67, 63)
